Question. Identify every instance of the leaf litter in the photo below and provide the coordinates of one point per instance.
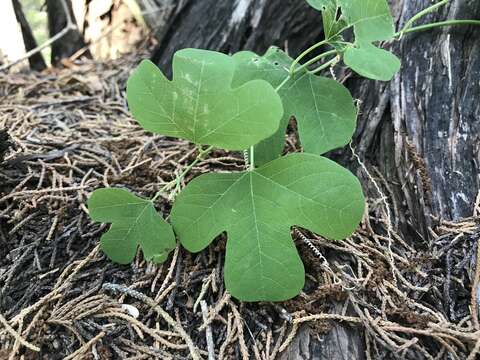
(71, 133)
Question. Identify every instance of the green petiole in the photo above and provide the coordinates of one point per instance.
(176, 182)
(326, 65)
(421, 14)
(305, 53)
(252, 158)
(315, 59)
(437, 25)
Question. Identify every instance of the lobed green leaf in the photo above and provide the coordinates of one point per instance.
(257, 209)
(200, 105)
(323, 108)
(135, 222)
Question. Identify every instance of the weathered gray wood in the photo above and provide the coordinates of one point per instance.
(421, 129)
(233, 25)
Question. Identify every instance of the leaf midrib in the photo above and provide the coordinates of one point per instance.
(220, 197)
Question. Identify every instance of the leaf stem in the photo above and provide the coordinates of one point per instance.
(437, 25)
(252, 158)
(305, 53)
(201, 155)
(315, 59)
(421, 14)
(326, 65)
(283, 82)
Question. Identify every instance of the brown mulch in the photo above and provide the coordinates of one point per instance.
(70, 133)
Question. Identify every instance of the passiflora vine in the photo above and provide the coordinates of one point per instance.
(244, 102)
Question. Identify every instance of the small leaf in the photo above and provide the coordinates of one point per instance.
(371, 19)
(135, 222)
(257, 209)
(332, 26)
(323, 108)
(329, 9)
(200, 105)
(372, 62)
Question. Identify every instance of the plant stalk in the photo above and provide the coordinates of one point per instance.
(326, 65)
(421, 14)
(315, 59)
(252, 158)
(201, 155)
(437, 25)
(305, 53)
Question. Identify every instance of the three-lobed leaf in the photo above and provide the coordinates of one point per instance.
(135, 222)
(322, 107)
(200, 105)
(257, 209)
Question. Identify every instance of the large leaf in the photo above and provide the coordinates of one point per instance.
(135, 222)
(372, 62)
(323, 108)
(371, 19)
(257, 209)
(200, 105)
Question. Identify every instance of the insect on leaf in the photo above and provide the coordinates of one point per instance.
(135, 222)
(257, 209)
(200, 105)
(372, 62)
(323, 108)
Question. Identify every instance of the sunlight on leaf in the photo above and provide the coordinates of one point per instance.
(200, 105)
(257, 209)
(135, 222)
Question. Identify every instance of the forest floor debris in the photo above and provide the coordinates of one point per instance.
(70, 133)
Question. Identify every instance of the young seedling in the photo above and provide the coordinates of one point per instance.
(244, 102)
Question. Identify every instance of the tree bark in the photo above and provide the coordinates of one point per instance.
(36, 61)
(57, 21)
(420, 130)
(230, 26)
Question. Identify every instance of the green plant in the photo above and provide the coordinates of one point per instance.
(244, 102)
